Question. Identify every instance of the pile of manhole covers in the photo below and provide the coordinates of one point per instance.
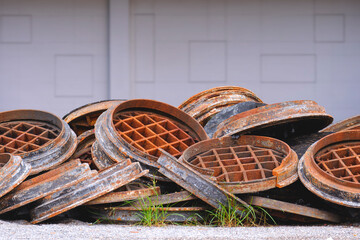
(116, 158)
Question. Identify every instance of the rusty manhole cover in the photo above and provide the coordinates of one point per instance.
(280, 120)
(40, 138)
(202, 106)
(138, 129)
(243, 165)
(352, 123)
(330, 168)
(84, 118)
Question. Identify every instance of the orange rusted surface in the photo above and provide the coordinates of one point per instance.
(206, 104)
(84, 118)
(13, 170)
(352, 123)
(246, 164)
(128, 192)
(282, 120)
(330, 168)
(138, 129)
(40, 138)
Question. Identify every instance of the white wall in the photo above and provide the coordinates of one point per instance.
(280, 49)
(53, 54)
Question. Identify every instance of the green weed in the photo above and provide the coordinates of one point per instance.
(232, 214)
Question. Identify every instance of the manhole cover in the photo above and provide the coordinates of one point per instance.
(246, 164)
(330, 168)
(39, 138)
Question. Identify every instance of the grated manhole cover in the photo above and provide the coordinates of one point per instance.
(243, 165)
(39, 138)
(330, 168)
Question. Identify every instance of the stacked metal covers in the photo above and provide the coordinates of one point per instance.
(206, 104)
(41, 139)
(45, 184)
(106, 181)
(118, 139)
(138, 129)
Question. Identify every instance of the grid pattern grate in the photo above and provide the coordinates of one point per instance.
(239, 164)
(149, 132)
(19, 137)
(341, 161)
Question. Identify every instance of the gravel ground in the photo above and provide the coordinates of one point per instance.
(81, 230)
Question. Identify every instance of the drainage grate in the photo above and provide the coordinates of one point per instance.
(149, 133)
(240, 163)
(20, 137)
(341, 161)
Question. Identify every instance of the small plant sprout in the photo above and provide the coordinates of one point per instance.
(232, 214)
